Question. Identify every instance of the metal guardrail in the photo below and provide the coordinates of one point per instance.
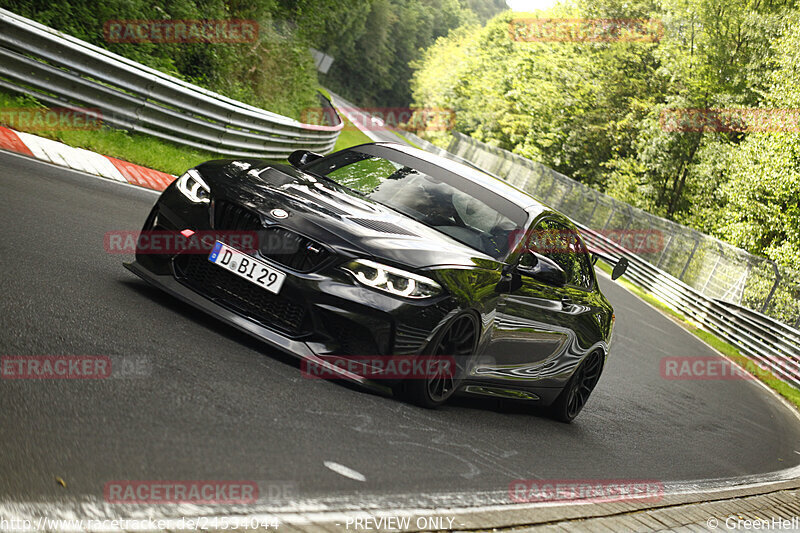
(715, 268)
(773, 345)
(64, 71)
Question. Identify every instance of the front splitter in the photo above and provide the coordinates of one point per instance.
(296, 348)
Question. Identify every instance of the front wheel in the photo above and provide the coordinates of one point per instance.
(455, 343)
(576, 393)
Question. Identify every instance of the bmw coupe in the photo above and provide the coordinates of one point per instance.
(384, 250)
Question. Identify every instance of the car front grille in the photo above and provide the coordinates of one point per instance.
(353, 338)
(282, 245)
(231, 217)
(291, 249)
(229, 290)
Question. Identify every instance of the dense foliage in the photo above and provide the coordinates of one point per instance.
(372, 42)
(594, 110)
(276, 72)
(762, 192)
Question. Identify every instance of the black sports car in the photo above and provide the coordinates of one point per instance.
(384, 250)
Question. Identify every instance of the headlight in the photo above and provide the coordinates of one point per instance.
(392, 280)
(194, 188)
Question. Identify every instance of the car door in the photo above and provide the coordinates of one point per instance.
(535, 330)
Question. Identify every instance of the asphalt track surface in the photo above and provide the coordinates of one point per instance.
(215, 404)
(365, 120)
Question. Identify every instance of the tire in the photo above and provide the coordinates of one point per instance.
(576, 392)
(458, 339)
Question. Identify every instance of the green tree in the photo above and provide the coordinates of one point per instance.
(275, 73)
(595, 110)
(372, 50)
(762, 209)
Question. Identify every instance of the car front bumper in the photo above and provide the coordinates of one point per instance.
(339, 316)
(169, 284)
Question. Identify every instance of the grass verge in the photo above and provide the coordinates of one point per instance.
(133, 147)
(781, 387)
(350, 136)
(136, 148)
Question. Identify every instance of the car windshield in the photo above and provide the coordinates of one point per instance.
(457, 207)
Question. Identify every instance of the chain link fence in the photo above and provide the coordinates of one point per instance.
(714, 268)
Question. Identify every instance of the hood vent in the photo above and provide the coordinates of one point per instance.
(315, 202)
(382, 226)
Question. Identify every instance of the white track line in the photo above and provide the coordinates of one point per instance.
(81, 173)
(345, 471)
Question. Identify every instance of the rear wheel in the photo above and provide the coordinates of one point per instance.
(578, 389)
(457, 340)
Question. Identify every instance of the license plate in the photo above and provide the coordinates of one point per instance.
(247, 267)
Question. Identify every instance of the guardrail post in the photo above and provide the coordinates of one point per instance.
(774, 286)
(630, 219)
(664, 250)
(713, 271)
(596, 199)
(691, 255)
(552, 187)
(608, 220)
(453, 146)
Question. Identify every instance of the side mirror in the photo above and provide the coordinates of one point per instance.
(620, 268)
(541, 269)
(300, 158)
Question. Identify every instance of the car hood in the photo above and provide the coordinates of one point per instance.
(336, 216)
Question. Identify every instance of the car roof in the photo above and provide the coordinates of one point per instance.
(475, 175)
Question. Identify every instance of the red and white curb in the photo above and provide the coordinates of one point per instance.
(83, 160)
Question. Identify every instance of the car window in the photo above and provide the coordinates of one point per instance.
(364, 175)
(438, 203)
(563, 245)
